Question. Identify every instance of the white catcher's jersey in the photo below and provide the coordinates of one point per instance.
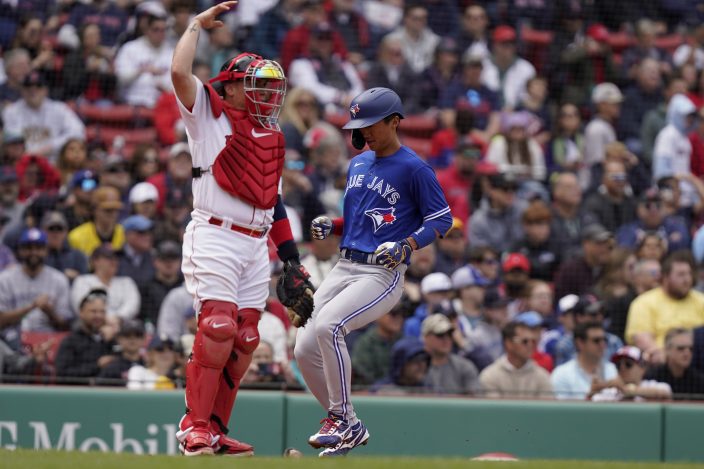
(206, 138)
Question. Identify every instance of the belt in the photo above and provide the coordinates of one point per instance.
(359, 257)
(253, 232)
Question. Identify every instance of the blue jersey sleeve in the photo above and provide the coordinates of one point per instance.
(432, 206)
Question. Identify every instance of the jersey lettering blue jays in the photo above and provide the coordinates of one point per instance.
(388, 198)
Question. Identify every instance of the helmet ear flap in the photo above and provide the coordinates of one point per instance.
(358, 140)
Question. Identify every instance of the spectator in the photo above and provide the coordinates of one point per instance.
(371, 355)
(219, 49)
(88, 71)
(629, 384)
(514, 374)
(691, 52)
(104, 228)
(176, 215)
(37, 176)
(600, 131)
(457, 180)
(264, 371)
(61, 256)
(579, 274)
(486, 261)
(136, 260)
(505, 72)
(470, 286)
(472, 37)
(535, 101)
(10, 205)
(333, 80)
(587, 310)
(435, 288)
(31, 38)
(143, 199)
(422, 264)
(17, 67)
(73, 157)
(130, 340)
(266, 39)
(516, 274)
(177, 176)
(296, 43)
(301, 112)
(167, 276)
(13, 147)
(33, 296)
(452, 249)
(586, 373)
(538, 245)
(672, 305)
(645, 48)
(496, 222)
(677, 371)
(160, 369)
(696, 139)
(176, 314)
(328, 175)
(514, 151)
(448, 373)
(485, 338)
(539, 299)
(390, 70)
(419, 41)
(568, 216)
(109, 16)
(354, 29)
(145, 162)
(616, 288)
(656, 119)
(639, 99)
(638, 176)
(142, 65)
(78, 207)
(439, 75)
(46, 124)
(122, 294)
(565, 325)
(566, 150)
(408, 371)
(613, 204)
(321, 259)
(88, 348)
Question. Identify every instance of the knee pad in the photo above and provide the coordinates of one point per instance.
(247, 339)
(217, 328)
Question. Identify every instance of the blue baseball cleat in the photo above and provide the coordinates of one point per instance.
(333, 432)
(359, 436)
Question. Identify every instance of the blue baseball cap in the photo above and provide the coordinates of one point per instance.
(86, 180)
(32, 236)
(137, 223)
(468, 276)
(529, 318)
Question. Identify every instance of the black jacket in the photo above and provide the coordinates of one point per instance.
(78, 356)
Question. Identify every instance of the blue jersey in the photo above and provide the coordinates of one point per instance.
(388, 198)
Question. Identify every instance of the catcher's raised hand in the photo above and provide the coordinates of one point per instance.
(321, 227)
(207, 18)
(391, 254)
(296, 292)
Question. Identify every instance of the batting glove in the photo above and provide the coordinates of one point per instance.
(321, 227)
(391, 254)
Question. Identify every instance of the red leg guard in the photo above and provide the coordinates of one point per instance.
(217, 327)
(247, 339)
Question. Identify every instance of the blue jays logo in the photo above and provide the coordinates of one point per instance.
(354, 110)
(381, 217)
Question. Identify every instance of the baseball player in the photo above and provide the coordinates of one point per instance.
(238, 154)
(393, 205)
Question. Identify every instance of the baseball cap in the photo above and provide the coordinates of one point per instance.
(472, 57)
(627, 351)
(178, 149)
(447, 44)
(587, 304)
(161, 343)
(168, 250)
(8, 174)
(114, 163)
(143, 192)
(32, 236)
(567, 303)
(34, 79)
(650, 195)
(138, 223)
(468, 276)
(131, 327)
(503, 181)
(606, 93)
(503, 33)
(54, 218)
(529, 319)
(107, 198)
(151, 8)
(494, 299)
(436, 324)
(596, 233)
(104, 250)
(435, 282)
(85, 179)
(469, 147)
(598, 32)
(516, 261)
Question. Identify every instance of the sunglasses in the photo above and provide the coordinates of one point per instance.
(116, 169)
(55, 228)
(446, 335)
(525, 341)
(597, 340)
(618, 177)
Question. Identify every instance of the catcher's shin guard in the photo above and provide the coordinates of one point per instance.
(217, 327)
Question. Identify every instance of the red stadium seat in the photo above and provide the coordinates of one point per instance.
(132, 137)
(420, 126)
(33, 339)
(119, 115)
(669, 43)
(620, 41)
(536, 37)
(337, 119)
(422, 146)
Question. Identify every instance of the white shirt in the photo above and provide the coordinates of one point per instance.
(682, 53)
(671, 156)
(206, 138)
(302, 75)
(498, 155)
(272, 331)
(53, 123)
(513, 82)
(597, 135)
(570, 381)
(123, 296)
(613, 394)
(142, 88)
(418, 53)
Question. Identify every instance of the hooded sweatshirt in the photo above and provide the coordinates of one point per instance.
(402, 352)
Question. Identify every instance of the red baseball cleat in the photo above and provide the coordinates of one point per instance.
(226, 446)
(197, 442)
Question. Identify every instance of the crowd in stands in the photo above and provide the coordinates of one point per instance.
(567, 135)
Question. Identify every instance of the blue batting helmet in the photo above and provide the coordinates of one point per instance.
(370, 107)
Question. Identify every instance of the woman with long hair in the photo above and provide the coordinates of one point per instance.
(300, 113)
(515, 151)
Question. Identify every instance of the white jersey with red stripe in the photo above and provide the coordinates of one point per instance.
(206, 138)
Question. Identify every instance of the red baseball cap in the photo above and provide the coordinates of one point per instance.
(514, 261)
(598, 32)
(503, 33)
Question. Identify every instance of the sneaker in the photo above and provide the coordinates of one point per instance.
(333, 432)
(359, 436)
(197, 441)
(226, 446)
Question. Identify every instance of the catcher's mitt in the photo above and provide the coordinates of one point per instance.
(296, 292)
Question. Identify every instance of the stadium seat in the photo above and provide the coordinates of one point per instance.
(422, 146)
(669, 43)
(32, 339)
(107, 134)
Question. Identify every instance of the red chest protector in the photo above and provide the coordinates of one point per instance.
(249, 167)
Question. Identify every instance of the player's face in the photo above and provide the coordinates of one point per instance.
(381, 136)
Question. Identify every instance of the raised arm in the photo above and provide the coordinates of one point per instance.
(185, 52)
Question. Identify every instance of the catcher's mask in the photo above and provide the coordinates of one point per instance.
(264, 86)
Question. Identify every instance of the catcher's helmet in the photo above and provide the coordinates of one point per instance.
(235, 68)
(369, 108)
